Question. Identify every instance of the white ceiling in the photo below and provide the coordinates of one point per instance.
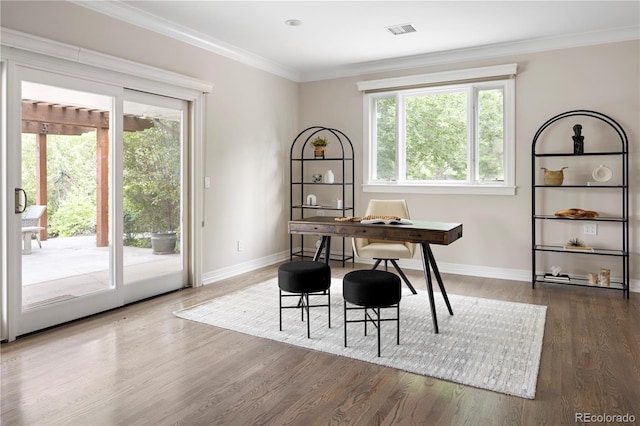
(339, 38)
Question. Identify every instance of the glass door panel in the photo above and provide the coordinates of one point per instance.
(63, 264)
(65, 173)
(153, 201)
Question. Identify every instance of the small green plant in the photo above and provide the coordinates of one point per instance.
(319, 141)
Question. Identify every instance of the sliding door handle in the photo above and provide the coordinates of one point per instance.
(21, 201)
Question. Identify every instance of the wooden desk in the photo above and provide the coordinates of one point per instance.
(421, 232)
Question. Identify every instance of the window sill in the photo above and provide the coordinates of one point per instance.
(440, 189)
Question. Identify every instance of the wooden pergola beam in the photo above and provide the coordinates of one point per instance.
(131, 123)
(82, 118)
(62, 114)
(41, 182)
(42, 128)
(44, 118)
(102, 188)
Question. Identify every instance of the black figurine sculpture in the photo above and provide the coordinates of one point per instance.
(578, 140)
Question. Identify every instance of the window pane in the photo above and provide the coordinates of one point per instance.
(386, 139)
(151, 191)
(491, 135)
(436, 136)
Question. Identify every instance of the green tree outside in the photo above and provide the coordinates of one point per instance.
(151, 191)
(436, 136)
(151, 183)
(71, 182)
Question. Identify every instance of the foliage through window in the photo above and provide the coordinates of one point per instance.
(436, 139)
(455, 135)
(151, 188)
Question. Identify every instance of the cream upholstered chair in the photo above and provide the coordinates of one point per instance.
(389, 251)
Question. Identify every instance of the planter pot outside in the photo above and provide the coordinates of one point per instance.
(163, 242)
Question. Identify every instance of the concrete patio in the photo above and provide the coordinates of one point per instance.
(72, 267)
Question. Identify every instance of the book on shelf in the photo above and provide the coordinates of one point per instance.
(559, 277)
(395, 221)
(578, 248)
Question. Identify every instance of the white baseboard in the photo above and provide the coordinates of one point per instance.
(481, 271)
(244, 267)
(444, 267)
(471, 270)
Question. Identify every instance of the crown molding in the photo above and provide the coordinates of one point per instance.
(126, 13)
(29, 43)
(476, 53)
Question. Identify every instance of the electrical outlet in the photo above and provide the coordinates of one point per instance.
(240, 245)
(590, 229)
(320, 212)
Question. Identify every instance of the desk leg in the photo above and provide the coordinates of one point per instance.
(325, 244)
(327, 249)
(427, 275)
(428, 262)
(436, 272)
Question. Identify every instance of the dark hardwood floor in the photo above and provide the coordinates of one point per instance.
(140, 365)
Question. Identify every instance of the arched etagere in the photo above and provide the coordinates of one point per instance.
(308, 175)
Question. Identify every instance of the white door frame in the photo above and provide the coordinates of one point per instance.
(43, 54)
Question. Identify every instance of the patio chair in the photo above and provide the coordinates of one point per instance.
(30, 220)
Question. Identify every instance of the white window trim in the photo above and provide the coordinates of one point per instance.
(506, 188)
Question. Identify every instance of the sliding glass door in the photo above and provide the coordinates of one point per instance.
(100, 198)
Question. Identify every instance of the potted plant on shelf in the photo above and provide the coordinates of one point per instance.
(319, 145)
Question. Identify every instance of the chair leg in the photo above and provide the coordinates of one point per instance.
(344, 303)
(403, 276)
(280, 305)
(38, 240)
(304, 305)
(398, 316)
(308, 318)
(329, 307)
(365, 321)
(375, 265)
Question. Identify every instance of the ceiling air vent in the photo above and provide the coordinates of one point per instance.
(401, 29)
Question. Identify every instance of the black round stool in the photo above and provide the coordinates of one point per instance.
(371, 290)
(303, 278)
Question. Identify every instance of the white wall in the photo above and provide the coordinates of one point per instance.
(251, 119)
(497, 229)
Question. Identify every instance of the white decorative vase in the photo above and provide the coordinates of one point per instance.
(328, 177)
(311, 200)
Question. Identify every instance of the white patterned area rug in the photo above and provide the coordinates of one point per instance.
(489, 344)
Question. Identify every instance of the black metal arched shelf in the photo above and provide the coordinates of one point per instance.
(303, 163)
(619, 150)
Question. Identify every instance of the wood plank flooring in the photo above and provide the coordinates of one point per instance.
(140, 365)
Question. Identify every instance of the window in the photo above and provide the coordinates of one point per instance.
(441, 137)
